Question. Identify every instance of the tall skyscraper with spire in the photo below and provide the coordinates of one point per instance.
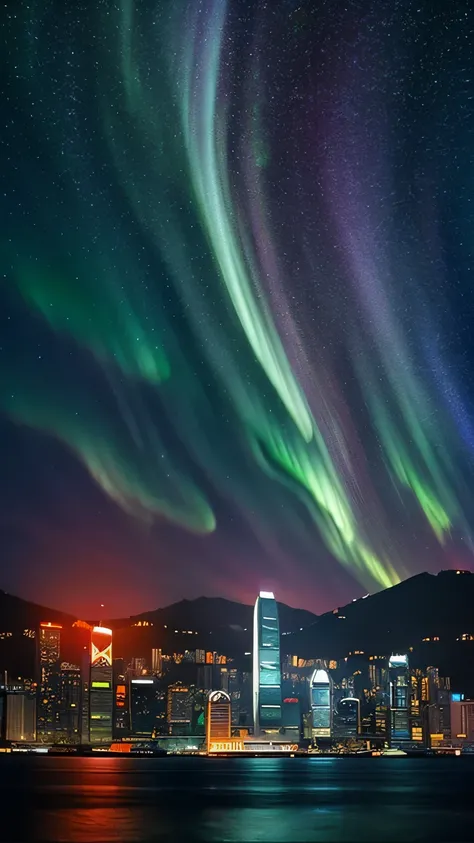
(266, 665)
(49, 684)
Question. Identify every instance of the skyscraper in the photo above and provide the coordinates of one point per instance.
(49, 685)
(143, 706)
(156, 660)
(121, 685)
(70, 704)
(399, 678)
(462, 720)
(180, 708)
(266, 665)
(321, 703)
(218, 717)
(346, 716)
(20, 716)
(101, 686)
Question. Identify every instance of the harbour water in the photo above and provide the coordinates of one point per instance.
(100, 800)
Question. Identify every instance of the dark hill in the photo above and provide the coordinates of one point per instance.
(17, 614)
(429, 616)
(424, 606)
(207, 614)
(211, 623)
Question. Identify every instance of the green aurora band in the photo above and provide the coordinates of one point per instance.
(183, 318)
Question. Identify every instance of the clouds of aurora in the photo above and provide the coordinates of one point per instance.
(221, 234)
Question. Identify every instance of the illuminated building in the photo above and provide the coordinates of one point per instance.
(121, 726)
(200, 656)
(378, 672)
(346, 716)
(156, 660)
(266, 665)
(101, 697)
(20, 716)
(419, 706)
(160, 726)
(321, 704)
(462, 721)
(49, 685)
(382, 714)
(218, 718)
(70, 704)
(399, 679)
(180, 708)
(231, 682)
(143, 706)
(436, 697)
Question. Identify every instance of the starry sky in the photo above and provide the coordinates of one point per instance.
(236, 305)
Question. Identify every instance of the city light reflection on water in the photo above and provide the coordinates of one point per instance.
(106, 800)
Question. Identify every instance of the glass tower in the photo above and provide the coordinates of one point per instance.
(399, 677)
(266, 664)
(321, 703)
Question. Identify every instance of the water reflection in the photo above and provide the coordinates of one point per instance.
(109, 800)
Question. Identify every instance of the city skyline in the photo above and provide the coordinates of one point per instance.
(268, 700)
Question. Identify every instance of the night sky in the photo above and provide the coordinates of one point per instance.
(236, 311)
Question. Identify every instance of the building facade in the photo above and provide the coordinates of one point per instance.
(400, 698)
(180, 708)
(121, 726)
(70, 704)
(49, 684)
(143, 706)
(20, 716)
(346, 717)
(266, 665)
(101, 697)
(462, 721)
(218, 718)
(321, 704)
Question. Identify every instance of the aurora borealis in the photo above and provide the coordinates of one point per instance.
(236, 300)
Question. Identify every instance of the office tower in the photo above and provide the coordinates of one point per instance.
(218, 718)
(200, 656)
(462, 720)
(156, 660)
(48, 695)
(418, 701)
(143, 706)
(230, 681)
(69, 729)
(291, 717)
(100, 686)
(180, 708)
(20, 716)
(321, 704)
(399, 680)
(121, 725)
(85, 689)
(346, 716)
(266, 665)
(207, 677)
